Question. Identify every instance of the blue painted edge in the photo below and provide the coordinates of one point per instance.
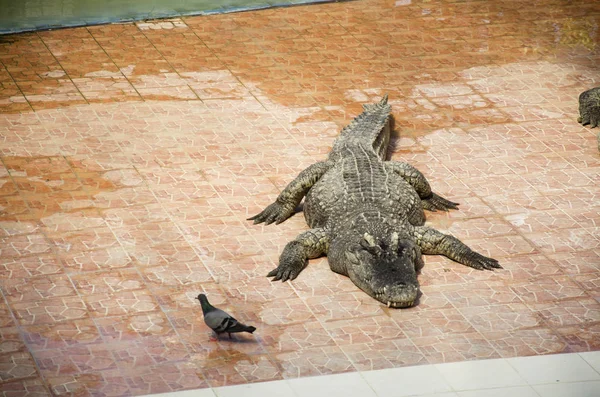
(165, 16)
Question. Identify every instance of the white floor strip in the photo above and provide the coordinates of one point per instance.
(558, 375)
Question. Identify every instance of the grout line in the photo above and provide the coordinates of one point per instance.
(87, 28)
(17, 85)
(167, 61)
(61, 66)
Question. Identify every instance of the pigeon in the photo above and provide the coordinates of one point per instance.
(219, 321)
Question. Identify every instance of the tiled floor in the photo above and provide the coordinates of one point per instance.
(560, 375)
(132, 154)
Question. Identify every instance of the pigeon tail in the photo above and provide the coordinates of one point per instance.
(239, 327)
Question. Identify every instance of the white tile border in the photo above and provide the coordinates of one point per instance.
(472, 375)
(543, 376)
(556, 368)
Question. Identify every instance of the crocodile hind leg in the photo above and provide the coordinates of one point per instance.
(290, 197)
(294, 258)
(433, 242)
(417, 180)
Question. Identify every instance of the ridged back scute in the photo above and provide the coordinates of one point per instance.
(371, 127)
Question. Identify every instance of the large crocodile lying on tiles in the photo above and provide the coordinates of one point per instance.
(589, 109)
(366, 215)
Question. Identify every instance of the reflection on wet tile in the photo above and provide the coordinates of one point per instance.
(132, 154)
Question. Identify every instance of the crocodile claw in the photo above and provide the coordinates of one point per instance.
(436, 202)
(283, 274)
(274, 213)
(287, 270)
(480, 262)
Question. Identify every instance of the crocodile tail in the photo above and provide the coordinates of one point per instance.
(373, 126)
(369, 107)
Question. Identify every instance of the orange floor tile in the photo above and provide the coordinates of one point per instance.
(132, 155)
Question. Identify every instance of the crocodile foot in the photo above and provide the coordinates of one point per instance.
(436, 202)
(477, 261)
(286, 270)
(275, 212)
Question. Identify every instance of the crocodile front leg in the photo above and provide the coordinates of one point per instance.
(436, 243)
(417, 180)
(290, 197)
(294, 258)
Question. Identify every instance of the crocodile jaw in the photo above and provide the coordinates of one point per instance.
(395, 294)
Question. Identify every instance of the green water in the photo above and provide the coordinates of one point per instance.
(26, 15)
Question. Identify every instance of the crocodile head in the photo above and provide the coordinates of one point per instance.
(386, 269)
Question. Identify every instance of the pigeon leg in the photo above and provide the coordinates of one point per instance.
(294, 258)
(229, 333)
(433, 242)
(417, 180)
(290, 197)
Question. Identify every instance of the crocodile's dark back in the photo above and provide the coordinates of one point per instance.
(373, 126)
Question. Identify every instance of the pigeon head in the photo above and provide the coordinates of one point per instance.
(206, 307)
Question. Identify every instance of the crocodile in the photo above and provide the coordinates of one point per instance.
(366, 215)
(589, 109)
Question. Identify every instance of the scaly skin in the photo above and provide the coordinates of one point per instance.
(366, 214)
(589, 109)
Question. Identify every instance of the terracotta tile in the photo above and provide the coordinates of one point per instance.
(109, 383)
(162, 253)
(75, 359)
(23, 245)
(526, 342)
(384, 354)
(363, 330)
(16, 366)
(508, 317)
(162, 378)
(294, 337)
(455, 347)
(25, 387)
(98, 259)
(580, 339)
(590, 282)
(61, 334)
(30, 266)
(124, 328)
(577, 262)
(107, 281)
(568, 312)
(49, 310)
(564, 240)
(541, 221)
(6, 318)
(184, 296)
(148, 351)
(313, 362)
(542, 289)
(238, 369)
(120, 303)
(11, 340)
(37, 288)
(420, 322)
(82, 240)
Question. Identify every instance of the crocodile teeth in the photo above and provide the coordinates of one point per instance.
(389, 304)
